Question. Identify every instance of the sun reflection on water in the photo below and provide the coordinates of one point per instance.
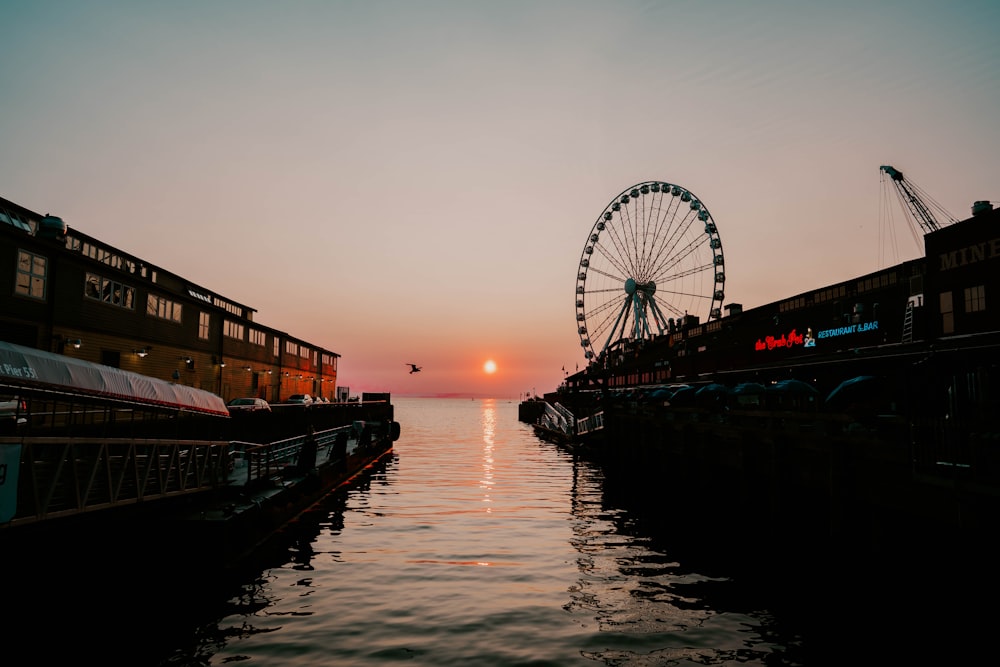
(489, 423)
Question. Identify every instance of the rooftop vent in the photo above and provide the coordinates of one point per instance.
(980, 207)
(52, 227)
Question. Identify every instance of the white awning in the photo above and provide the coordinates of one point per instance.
(37, 369)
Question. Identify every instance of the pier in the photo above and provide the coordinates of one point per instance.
(90, 453)
(909, 471)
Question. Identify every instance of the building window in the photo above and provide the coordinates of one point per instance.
(109, 291)
(258, 337)
(231, 308)
(31, 270)
(947, 314)
(276, 347)
(232, 329)
(291, 348)
(165, 309)
(11, 218)
(975, 299)
(792, 304)
(203, 321)
(104, 255)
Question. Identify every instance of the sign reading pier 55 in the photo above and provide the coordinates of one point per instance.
(26, 372)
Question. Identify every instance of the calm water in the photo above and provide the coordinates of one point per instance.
(479, 544)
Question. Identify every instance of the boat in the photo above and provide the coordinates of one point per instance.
(97, 449)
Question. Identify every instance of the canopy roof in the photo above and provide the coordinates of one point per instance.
(32, 369)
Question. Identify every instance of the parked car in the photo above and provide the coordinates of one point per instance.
(248, 404)
(300, 399)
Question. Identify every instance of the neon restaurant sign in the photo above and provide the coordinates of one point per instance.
(794, 339)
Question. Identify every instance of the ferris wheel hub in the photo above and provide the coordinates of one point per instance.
(631, 287)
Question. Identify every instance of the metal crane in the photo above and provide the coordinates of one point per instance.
(917, 201)
(919, 205)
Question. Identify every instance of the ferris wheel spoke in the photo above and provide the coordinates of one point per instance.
(660, 228)
(676, 310)
(605, 313)
(627, 241)
(616, 291)
(600, 314)
(618, 279)
(663, 229)
(681, 294)
(617, 250)
(683, 273)
(661, 321)
(614, 259)
(652, 224)
(672, 250)
(638, 232)
(671, 263)
(606, 331)
(606, 304)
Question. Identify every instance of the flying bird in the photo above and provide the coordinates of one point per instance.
(414, 368)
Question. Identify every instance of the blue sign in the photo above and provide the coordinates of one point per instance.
(850, 329)
(10, 464)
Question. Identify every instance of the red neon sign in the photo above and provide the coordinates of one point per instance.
(790, 339)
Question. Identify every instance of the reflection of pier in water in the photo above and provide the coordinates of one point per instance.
(655, 601)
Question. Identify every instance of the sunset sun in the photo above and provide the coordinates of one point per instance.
(490, 367)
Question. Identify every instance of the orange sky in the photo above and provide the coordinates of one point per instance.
(407, 182)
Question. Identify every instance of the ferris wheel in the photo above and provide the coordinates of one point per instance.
(653, 256)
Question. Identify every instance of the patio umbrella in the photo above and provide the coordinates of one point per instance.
(660, 394)
(749, 388)
(749, 393)
(791, 394)
(713, 389)
(683, 396)
(861, 389)
(712, 393)
(793, 386)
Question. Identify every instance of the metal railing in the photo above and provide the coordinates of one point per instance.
(44, 478)
(50, 477)
(254, 463)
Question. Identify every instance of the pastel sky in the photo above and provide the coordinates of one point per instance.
(414, 181)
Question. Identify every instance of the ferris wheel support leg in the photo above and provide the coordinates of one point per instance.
(614, 329)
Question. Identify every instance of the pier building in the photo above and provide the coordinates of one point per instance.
(67, 292)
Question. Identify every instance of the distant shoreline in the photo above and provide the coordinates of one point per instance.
(466, 396)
